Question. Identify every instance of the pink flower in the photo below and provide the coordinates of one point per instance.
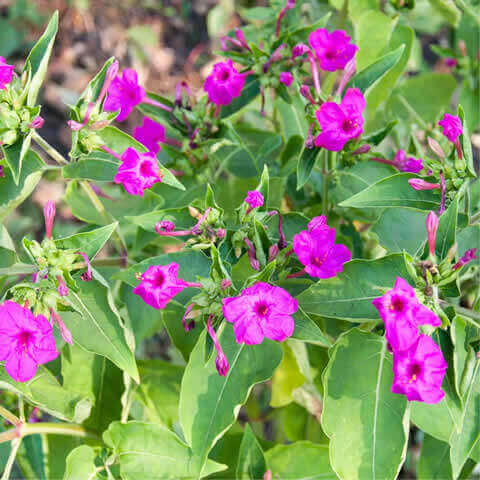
(150, 134)
(316, 249)
(432, 226)
(254, 198)
(64, 331)
(418, 372)
(468, 256)
(164, 226)
(401, 312)
(341, 123)
(261, 310)
(6, 73)
(452, 127)
(450, 62)
(138, 171)
(124, 94)
(224, 83)
(286, 78)
(159, 284)
(26, 341)
(407, 164)
(333, 50)
(62, 287)
(221, 361)
(87, 275)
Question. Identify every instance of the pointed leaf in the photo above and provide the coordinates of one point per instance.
(249, 92)
(15, 154)
(251, 462)
(305, 165)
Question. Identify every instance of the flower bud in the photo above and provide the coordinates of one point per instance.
(62, 287)
(362, 149)
(419, 184)
(37, 122)
(49, 215)
(432, 227)
(221, 233)
(436, 148)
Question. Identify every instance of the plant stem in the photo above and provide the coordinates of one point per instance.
(475, 218)
(48, 149)
(11, 458)
(473, 317)
(325, 184)
(13, 419)
(70, 429)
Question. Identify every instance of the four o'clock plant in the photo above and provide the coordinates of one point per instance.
(292, 242)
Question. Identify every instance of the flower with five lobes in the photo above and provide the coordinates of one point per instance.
(452, 127)
(150, 134)
(316, 249)
(402, 313)
(407, 164)
(333, 49)
(124, 94)
(6, 73)
(418, 372)
(26, 341)
(260, 311)
(224, 83)
(341, 123)
(254, 198)
(286, 78)
(138, 171)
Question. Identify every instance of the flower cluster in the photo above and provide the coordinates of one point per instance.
(418, 363)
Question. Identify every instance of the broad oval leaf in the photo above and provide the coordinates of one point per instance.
(367, 423)
(209, 403)
(81, 464)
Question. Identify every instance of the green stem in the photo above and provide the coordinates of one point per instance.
(70, 429)
(475, 218)
(13, 419)
(470, 315)
(11, 458)
(48, 149)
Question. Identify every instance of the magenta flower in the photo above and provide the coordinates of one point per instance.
(138, 171)
(401, 312)
(159, 284)
(286, 78)
(150, 134)
(333, 50)
(341, 123)
(452, 127)
(6, 73)
(87, 275)
(254, 198)
(316, 249)
(124, 94)
(468, 256)
(407, 164)
(164, 226)
(26, 341)
(224, 83)
(418, 372)
(261, 310)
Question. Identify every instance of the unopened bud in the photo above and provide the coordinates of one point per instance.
(435, 147)
(419, 184)
(49, 215)
(37, 123)
(362, 149)
(432, 227)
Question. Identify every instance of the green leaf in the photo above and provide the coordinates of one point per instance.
(375, 71)
(81, 464)
(466, 436)
(38, 59)
(349, 295)
(249, 92)
(8, 255)
(394, 191)
(97, 166)
(98, 328)
(448, 10)
(94, 87)
(119, 141)
(30, 458)
(209, 403)
(305, 165)
(402, 229)
(467, 238)
(434, 463)
(152, 451)
(46, 393)
(15, 154)
(306, 330)
(466, 143)
(90, 242)
(371, 438)
(57, 448)
(447, 227)
(159, 391)
(99, 380)
(292, 117)
(11, 194)
(300, 461)
(251, 461)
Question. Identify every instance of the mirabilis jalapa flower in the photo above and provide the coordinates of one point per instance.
(341, 122)
(260, 311)
(224, 83)
(150, 134)
(316, 249)
(6, 73)
(26, 341)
